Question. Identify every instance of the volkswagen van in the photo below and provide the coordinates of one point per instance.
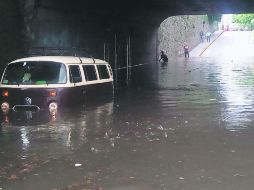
(50, 82)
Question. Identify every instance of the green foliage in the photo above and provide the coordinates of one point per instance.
(246, 20)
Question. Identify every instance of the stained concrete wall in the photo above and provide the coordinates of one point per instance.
(120, 41)
(11, 39)
(177, 30)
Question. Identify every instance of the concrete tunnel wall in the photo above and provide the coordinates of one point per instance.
(11, 35)
(120, 43)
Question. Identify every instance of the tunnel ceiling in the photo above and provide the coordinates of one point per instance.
(154, 10)
(171, 7)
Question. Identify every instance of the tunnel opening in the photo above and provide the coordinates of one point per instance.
(176, 31)
(221, 35)
(225, 61)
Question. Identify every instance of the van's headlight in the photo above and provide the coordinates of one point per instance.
(5, 107)
(53, 108)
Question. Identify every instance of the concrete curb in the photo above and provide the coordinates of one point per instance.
(211, 43)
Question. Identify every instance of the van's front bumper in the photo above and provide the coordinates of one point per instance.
(21, 100)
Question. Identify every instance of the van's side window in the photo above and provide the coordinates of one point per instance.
(103, 71)
(90, 72)
(75, 75)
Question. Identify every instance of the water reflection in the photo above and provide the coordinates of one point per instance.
(26, 118)
(164, 65)
(24, 138)
(237, 93)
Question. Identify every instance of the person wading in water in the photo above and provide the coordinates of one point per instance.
(163, 57)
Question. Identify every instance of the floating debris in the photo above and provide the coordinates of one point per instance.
(194, 84)
(78, 165)
(112, 142)
(233, 130)
(239, 175)
(106, 135)
(118, 136)
(13, 177)
(160, 127)
(94, 149)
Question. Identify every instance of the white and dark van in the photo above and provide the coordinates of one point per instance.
(49, 82)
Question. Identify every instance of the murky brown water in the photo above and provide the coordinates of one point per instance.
(193, 130)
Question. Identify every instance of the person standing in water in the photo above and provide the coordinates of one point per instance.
(186, 50)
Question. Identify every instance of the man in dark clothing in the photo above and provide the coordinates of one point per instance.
(201, 36)
(164, 57)
(186, 50)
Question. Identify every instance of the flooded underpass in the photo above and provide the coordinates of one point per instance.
(191, 129)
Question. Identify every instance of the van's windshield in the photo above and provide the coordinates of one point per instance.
(35, 73)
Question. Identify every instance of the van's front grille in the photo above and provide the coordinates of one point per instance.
(22, 108)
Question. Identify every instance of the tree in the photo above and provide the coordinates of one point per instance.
(246, 20)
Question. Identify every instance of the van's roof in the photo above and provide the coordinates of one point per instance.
(61, 59)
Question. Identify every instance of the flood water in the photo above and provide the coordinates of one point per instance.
(191, 129)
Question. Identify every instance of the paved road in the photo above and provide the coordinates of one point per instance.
(230, 44)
